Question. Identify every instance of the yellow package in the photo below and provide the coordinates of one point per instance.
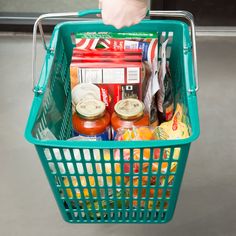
(173, 129)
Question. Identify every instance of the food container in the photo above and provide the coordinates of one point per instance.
(128, 113)
(91, 121)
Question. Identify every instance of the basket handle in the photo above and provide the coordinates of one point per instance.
(168, 14)
(38, 24)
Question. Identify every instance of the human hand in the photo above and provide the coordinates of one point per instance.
(120, 13)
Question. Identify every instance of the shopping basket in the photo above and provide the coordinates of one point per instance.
(70, 166)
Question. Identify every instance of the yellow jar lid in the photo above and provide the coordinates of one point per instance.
(91, 109)
(129, 109)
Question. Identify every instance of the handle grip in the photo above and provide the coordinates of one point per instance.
(167, 14)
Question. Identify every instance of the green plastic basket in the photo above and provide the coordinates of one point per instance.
(80, 199)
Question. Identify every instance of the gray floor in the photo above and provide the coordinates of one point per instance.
(207, 202)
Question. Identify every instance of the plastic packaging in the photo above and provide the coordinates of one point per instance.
(165, 97)
(150, 95)
(173, 129)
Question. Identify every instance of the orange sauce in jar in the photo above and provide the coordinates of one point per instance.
(128, 113)
(91, 120)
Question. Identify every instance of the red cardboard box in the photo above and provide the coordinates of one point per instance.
(117, 78)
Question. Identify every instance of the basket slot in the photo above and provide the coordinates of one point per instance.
(72, 35)
(67, 154)
(47, 154)
(170, 37)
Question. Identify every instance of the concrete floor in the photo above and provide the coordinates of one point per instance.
(206, 203)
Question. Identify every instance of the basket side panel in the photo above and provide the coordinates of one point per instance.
(55, 110)
(138, 185)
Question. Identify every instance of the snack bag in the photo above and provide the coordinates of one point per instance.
(165, 98)
(173, 129)
(149, 99)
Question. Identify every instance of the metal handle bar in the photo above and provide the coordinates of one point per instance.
(167, 14)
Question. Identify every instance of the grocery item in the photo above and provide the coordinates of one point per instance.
(102, 36)
(91, 121)
(150, 96)
(85, 91)
(101, 55)
(128, 113)
(173, 129)
(86, 43)
(118, 77)
(146, 76)
(149, 49)
(109, 60)
(135, 133)
(147, 41)
(165, 98)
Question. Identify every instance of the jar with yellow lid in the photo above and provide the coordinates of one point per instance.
(128, 113)
(91, 121)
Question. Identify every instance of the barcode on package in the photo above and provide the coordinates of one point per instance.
(133, 75)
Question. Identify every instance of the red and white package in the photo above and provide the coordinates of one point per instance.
(84, 43)
(149, 49)
(117, 77)
(104, 55)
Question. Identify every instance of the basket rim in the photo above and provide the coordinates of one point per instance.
(191, 100)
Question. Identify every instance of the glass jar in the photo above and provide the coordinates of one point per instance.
(128, 113)
(91, 121)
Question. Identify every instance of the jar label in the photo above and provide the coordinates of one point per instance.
(105, 136)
